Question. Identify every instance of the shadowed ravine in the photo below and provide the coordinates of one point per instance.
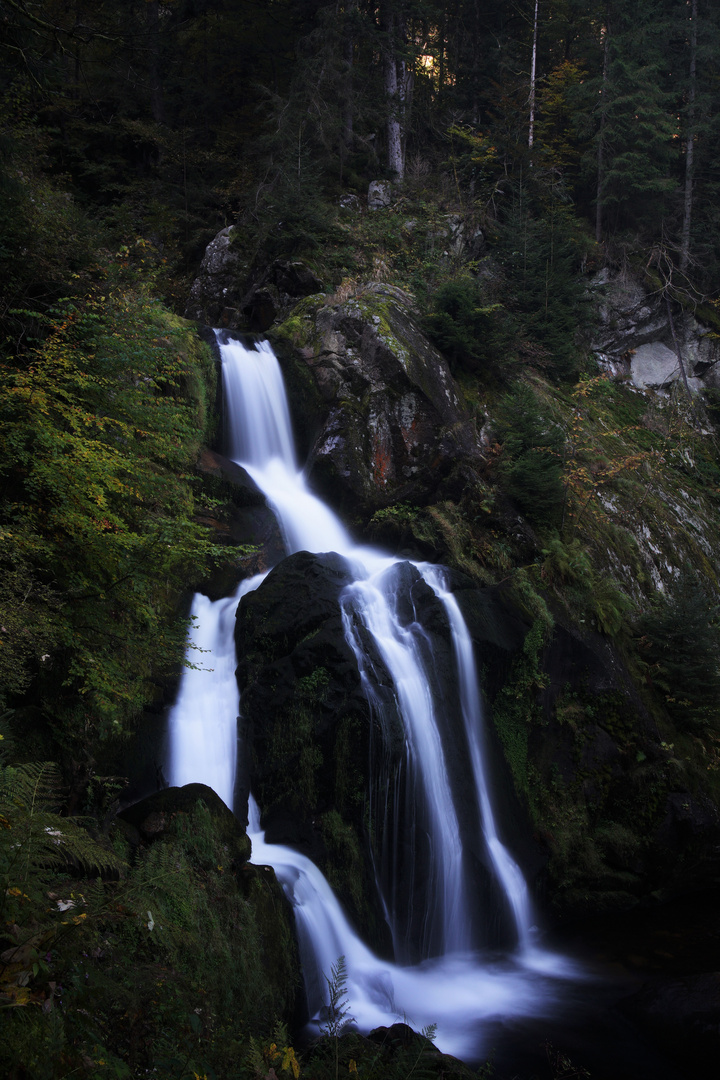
(455, 986)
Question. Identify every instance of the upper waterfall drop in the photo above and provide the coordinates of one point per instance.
(259, 437)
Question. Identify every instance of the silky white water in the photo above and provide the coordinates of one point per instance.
(455, 988)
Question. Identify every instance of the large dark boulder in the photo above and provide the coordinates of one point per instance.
(153, 817)
(307, 723)
(325, 765)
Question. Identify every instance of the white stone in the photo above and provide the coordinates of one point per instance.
(379, 194)
(654, 365)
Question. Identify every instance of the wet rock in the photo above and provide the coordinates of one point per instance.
(294, 278)
(350, 203)
(276, 290)
(683, 1015)
(634, 338)
(687, 837)
(260, 308)
(400, 1039)
(227, 293)
(210, 463)
(654, 364)
(240, 517)
(454, 236)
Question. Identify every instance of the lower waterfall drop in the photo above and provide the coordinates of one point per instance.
(454, 987)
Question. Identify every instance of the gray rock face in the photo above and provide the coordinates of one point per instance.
(216, 293)
(351, 203)
(634, 338)
(224, 295)
(379, 194)
(654, 364)
(394, 425)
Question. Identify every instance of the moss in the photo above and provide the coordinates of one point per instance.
(168, 970)
(297, 757)
(516, 708)
(345, 864)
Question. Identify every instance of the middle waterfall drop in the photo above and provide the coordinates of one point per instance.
(385, 632)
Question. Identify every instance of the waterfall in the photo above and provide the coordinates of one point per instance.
(453, 987)
(507, 870)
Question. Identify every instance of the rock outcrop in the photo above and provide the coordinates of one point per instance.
(634, 337)
(227, 293)
(394, 426)
(217, 292)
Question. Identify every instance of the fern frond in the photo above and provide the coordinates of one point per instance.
(35, 837)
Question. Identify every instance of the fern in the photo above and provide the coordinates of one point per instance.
(337, 1011)
(35, 839)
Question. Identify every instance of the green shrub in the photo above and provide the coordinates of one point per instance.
(471, 330)
(531, 465)
(680, 650)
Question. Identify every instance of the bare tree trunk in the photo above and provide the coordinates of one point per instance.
(601, 137)
(393, 91)
(690, 143)
(406, 86)
(348, 57)
(348, 117)
(155, 79)
(533, 69)
(676, 343)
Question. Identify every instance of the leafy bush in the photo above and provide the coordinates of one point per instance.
(472, 331)
(530, 470)
(99, 423)
(680, 647)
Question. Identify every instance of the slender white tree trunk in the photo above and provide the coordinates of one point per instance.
(533, 69)
(690, 143)
(394, 90)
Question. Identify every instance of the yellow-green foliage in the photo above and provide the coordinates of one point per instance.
(99, 425)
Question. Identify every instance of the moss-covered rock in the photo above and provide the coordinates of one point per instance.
(308, 723)
(394, 425)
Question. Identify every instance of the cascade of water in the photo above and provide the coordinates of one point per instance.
(452, 990)
(309, 525)
(507, 870)
(203, 734)
(403, 648)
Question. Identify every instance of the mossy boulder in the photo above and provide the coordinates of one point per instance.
(308, 723)
(393, 424)
(324, 765)
(152, 817)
